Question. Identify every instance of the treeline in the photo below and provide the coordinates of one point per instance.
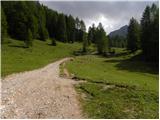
(97, 36)
(118, 41)
(28, 20)
(145, 35)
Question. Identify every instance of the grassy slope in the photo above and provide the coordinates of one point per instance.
(117, 102)
(15, 58)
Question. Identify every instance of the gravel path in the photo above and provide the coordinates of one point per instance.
(39, 93)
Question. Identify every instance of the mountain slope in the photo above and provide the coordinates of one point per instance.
(16, 58)
(120, 32)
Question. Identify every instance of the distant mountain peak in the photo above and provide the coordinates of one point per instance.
(120, 32)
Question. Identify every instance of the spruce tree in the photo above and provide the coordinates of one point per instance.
(51, 22)
(145, 23)
(133, 36)
(61, 30)
(70, 28)
(84, 36)
(101, 40)
(150, 33)
(91, 34)
(43, 33)
(77, 30)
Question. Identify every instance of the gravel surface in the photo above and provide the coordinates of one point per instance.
(40, 93)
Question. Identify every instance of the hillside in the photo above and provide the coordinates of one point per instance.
(16, 58)
(120, 32)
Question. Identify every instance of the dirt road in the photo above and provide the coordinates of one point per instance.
(39, 93)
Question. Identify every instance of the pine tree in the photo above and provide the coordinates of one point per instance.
(84, 36)
(61, 30)
(133, 36)
(51, 22)
(91, 34)
(43, 33)
(77, 30)
(154, 31)
(101, 40)
(17, 20)
(150, 33)
(70, 28)
(145, 23)
(32, 17)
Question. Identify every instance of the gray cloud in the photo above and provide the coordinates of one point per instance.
(112, 14)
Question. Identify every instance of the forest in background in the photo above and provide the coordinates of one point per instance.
(29, 20)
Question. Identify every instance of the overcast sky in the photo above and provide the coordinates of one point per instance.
(112, 14)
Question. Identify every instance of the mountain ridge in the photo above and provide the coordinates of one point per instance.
(120, 32)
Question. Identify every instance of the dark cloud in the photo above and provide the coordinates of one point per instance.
(112, 14)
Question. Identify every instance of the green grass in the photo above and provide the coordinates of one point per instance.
(118, 103)
(136, 91)
(16, 58)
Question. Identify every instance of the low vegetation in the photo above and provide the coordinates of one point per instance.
(118, 87)
(17, 58)
(118, 102)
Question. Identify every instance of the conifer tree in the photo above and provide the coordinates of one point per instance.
(133, 36)
(150, 33)
(101, 40)
(61, 30)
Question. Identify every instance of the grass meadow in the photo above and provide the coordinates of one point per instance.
(117, 87)
(16, 58)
